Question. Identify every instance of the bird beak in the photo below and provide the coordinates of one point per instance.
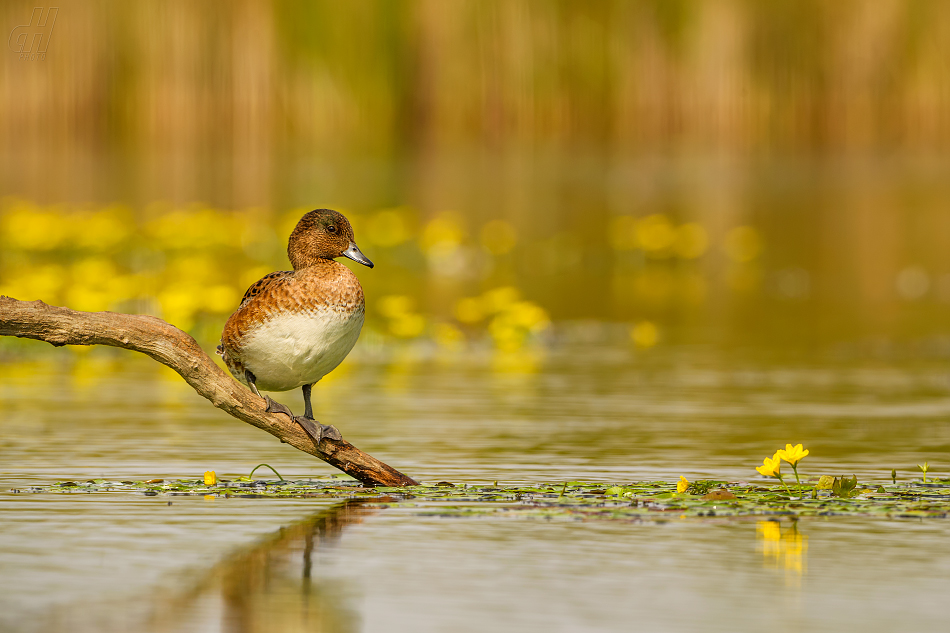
(354, 253)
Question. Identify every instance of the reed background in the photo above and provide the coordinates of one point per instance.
(691, 170)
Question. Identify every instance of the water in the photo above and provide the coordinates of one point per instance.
(598, 412)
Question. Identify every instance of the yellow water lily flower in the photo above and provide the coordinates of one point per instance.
(770, 466)
(792, 454)
(682, 484)
(210, 478)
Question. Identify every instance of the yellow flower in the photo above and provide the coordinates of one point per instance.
(792, 454)
(210, 478)
(770, 466)
(682, 484)
(645, 334)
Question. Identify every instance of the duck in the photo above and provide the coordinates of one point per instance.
(293, 327)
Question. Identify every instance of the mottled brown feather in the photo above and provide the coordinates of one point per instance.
(325, 284)
(261, 283)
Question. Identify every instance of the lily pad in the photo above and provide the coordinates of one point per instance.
(575, 500)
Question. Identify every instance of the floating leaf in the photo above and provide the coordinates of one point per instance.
(720, 494)
(844, 487)
(703, 486)
(634, 501)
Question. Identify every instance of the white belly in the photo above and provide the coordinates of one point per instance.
(293, 350)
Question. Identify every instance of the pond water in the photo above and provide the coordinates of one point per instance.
(120, 562)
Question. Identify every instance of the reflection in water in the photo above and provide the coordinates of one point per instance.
(785, 548)
(589, 412)
(270, 586)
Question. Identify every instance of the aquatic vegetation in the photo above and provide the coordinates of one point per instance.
(658, 236)
(703, 487)
(446, 280)
(682, 485)
(512, 321)
(167, 261)
(645, 334)
(792, 455)
(772, 467)
(844, 487)
(573, 500)
(254, 470)
(830, 496)
(403, 320)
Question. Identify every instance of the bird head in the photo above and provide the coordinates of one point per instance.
(323, 234)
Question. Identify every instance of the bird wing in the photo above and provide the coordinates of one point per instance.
(261, 284)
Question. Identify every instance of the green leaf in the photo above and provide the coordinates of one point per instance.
(637, 500)
(703, 486)
(844, 487)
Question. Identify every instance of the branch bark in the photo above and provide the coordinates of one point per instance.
(176, 349)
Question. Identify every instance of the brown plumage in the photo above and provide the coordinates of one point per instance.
(294, 327)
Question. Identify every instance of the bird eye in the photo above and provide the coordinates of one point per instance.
(331, 229)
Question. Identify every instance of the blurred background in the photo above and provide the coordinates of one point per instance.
(650, 172)
(615, 240)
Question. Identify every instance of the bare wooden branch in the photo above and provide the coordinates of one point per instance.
(176, 349)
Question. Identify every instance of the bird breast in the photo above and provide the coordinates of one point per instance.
(289, 350)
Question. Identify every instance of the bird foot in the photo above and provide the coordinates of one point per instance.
(314, 429)
(275, 407)
(318, 431)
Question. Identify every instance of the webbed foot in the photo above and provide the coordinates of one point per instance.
(314, 429)
(275, 407)
(318, 431)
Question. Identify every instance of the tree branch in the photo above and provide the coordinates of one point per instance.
(176, 349)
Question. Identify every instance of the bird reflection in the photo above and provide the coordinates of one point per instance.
(270, 585)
